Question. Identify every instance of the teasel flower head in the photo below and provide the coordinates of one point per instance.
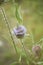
(19, 31)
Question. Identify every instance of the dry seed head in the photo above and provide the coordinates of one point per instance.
(36, 50)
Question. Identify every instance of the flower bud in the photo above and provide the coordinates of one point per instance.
(20, 31)
(36, 50)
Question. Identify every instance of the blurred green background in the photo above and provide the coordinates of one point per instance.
(32, 13)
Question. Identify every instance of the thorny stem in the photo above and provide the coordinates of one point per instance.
(6, 21)
(40, 40)
(23, 48)
(31, 35)
(22, 42)
(28, 59)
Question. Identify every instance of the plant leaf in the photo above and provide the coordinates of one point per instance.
(18, 15)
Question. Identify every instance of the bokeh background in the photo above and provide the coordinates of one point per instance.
(32, 13)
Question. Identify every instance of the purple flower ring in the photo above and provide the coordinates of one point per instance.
(20, 31)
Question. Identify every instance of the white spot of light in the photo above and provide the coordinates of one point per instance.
(1, 43)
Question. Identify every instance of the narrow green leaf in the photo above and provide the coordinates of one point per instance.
(18, 14)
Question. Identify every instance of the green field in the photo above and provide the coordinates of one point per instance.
(32, 13)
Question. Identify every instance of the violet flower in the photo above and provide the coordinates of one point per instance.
(19, 31)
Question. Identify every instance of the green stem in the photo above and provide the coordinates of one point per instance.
(6, 21)
(28, 57)
(31, 36)
(23, 48)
